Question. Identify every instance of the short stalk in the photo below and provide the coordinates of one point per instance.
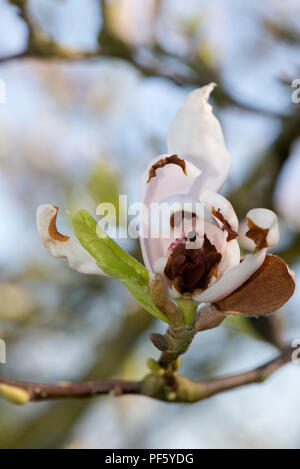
(178, 341)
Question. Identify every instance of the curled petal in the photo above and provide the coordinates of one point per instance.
(59, 245)
(196, 135)
(232, 279)
(263, 227)
(261, 230)
(264, 292)
(222, 209)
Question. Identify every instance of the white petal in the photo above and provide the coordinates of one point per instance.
(196, 135)
(244, 241)
(59, 245)
(230, 258)
(232, 279)
(218, 202)
(266, 220)
(261, 219)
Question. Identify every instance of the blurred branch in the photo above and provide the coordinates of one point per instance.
(160, 63)
(282, 31)
(270, 328)
(258, 189)
(10, 58)
(154, 385)
(206, 389)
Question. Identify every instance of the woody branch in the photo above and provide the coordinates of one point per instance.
(187, 390)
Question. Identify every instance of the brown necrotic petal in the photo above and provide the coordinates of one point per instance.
(264, 292)
(192, 269)
(231, 233)
(173, 159)
(257, 234)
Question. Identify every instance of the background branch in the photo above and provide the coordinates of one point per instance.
(194, 71)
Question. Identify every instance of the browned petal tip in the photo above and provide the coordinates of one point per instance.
(173, 159)
(53, 232)
(264, 292)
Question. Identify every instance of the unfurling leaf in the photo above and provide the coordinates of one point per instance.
(113, 260)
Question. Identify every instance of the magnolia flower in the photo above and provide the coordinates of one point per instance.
(195, 168)
(200, 258)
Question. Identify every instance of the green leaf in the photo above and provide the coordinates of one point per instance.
(113, 260)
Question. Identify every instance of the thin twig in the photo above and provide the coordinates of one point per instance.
(10, 58)
(41, 392)
(257, 375)
(188, 390)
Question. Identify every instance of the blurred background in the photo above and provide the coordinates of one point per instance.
(91, 88)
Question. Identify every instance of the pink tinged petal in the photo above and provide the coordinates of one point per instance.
(171, 217)
(62, 246)
(159, 265)
(154, 251)
(177, 215)
(196, 135)
(232, 279)
(216, 236)
(166, 181)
